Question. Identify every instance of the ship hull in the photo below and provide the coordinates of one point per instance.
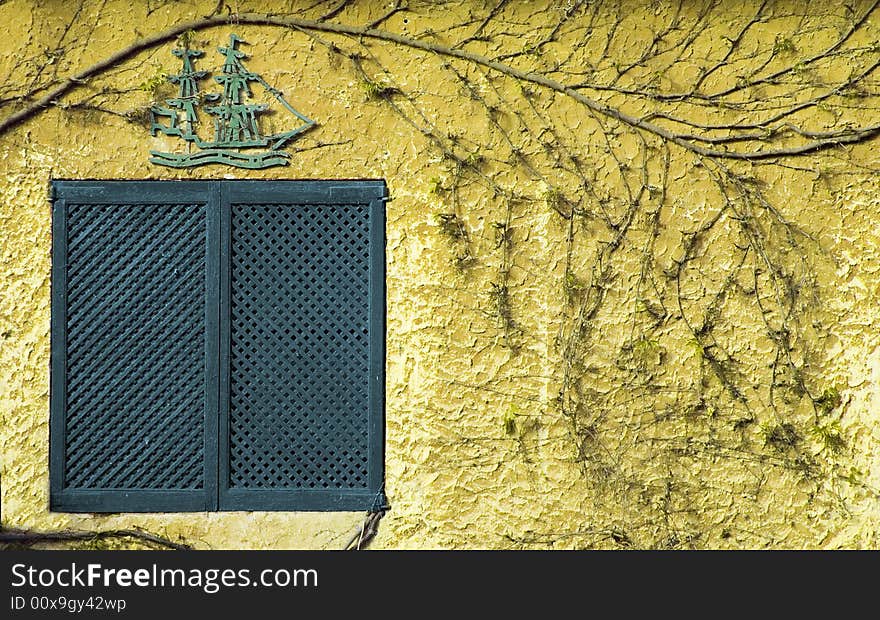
(230, 158)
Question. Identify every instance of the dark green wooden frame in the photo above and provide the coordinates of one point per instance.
(217, 196)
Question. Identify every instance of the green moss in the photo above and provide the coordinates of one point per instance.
(375, 90)
(452, 227)
(154, 83)
(473, 160)
(508, 421)
(554, 199)
(435, 186)
(780, 436)
(784, 45)
(829, 400)
(829, 435)
(574, 287)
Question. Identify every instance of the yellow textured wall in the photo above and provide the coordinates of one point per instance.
(565, 426)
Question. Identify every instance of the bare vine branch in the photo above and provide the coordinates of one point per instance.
(30, 537)
(846, 136)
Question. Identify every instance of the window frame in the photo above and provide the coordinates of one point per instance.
(218, 198)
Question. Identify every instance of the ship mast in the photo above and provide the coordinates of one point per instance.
(235, 122)
(187, 99)
(188, 88)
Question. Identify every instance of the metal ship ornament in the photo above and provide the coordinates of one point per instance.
(238, 140)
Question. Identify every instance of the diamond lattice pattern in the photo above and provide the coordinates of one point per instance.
(298, 415)
(135, 346)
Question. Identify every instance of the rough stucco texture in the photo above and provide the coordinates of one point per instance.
(478, 453)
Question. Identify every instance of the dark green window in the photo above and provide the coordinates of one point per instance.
(217, 345)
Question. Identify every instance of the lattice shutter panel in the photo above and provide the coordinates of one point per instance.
(132, 392)
(135, 346)
(299, 407)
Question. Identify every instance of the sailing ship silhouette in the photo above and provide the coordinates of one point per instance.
(236, 123)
